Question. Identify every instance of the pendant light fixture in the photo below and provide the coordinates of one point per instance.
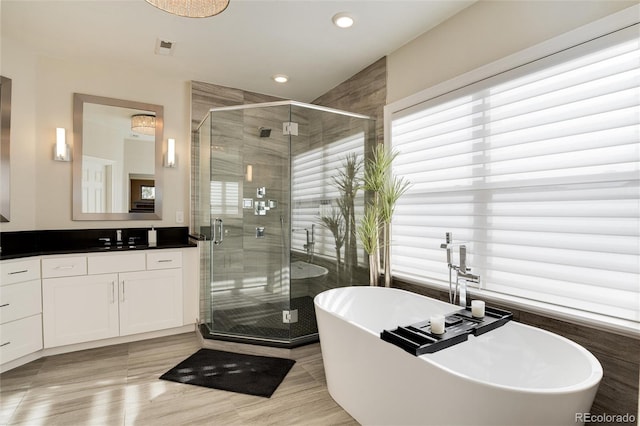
(144, 124)
(191, 8)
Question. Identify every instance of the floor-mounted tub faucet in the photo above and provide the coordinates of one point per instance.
(311, 242)
(463, 273)
(308, 247)
(463, 276)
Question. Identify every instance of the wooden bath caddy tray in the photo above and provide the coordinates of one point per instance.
(417, 338)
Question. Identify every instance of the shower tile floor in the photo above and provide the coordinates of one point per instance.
(264, 319)
(119, 385)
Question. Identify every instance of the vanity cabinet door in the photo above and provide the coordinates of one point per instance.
(79, 309)
(150, 300)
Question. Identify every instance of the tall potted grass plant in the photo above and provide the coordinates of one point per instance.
(375, 226)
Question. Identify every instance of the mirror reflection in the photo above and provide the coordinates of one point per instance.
(117, 159)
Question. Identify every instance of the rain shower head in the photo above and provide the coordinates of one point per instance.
(264, 132)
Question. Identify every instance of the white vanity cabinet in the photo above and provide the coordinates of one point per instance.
(118, 295)
(79, 309)
(150, 300)
(20, 309)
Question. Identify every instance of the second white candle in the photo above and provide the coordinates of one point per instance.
(437, 324)
(477, 308)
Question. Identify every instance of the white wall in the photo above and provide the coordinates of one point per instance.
(42, 99)
(484, 32)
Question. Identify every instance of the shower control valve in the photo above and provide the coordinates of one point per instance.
(260, 208)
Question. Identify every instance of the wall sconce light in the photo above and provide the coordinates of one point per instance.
(61, 149)
(170, 159)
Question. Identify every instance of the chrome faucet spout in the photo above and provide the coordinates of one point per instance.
(461, 280)
(462, 300)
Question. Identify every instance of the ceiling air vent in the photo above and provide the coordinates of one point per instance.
(164, 47)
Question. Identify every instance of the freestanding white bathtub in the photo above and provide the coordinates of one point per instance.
(513, 375)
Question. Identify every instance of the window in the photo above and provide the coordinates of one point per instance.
(148, 192)
(225, 197)
(538, 169)
(314, 192)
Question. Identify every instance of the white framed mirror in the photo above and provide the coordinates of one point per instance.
(117, 165)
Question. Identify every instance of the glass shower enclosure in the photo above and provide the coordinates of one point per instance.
(275, 202)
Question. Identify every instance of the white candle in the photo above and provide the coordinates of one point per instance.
(477, 308)
(437, 324)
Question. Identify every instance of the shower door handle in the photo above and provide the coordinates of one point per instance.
(218, 237)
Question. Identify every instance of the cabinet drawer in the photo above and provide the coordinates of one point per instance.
(20, 300)
(64, 267)
(164, 260)
(111, 262)
(20, 338)
(19, 271)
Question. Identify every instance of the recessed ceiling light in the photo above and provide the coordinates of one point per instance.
(342, 20)
(280, 78)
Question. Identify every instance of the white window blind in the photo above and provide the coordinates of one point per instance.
(313, 190)
(225, 197)
(538, 169)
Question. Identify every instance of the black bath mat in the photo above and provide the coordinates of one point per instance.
(249, 374)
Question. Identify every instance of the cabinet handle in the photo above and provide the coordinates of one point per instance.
(64, 267)
(113, 292)
(5, 344)
(4, 305)
(18, 272)
(122, 291)
(165, 260)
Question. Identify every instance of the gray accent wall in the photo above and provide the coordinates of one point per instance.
(364, 93)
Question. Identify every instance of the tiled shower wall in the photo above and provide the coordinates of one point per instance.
(364, 93)
(205, 96)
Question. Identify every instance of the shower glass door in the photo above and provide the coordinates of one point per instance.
(249, 218)
(276, 197)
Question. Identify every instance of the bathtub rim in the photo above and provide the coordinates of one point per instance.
(323, 274)
(592, 380)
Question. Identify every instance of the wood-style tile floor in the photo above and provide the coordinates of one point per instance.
(119, 385)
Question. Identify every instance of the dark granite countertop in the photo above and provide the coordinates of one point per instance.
(20, 244)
